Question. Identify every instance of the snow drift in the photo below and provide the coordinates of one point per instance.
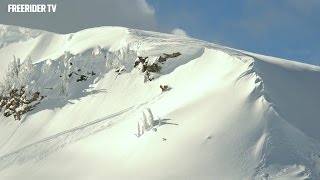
(229, 114)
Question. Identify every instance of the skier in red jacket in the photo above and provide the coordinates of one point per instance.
(164, 87)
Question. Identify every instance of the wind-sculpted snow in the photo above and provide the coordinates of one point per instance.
(14, 34)
(280, 145)
(229, 114)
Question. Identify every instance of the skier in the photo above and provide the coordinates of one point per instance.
(164, 87)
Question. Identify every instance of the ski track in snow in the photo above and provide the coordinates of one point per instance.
(43, 148)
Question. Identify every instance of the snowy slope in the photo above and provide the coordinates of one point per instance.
(230, 114)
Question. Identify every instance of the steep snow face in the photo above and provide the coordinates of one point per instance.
(13, 36)
(288, 84)
(226, 114)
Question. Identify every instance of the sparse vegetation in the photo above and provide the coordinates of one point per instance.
(18, 103)
(16, 98)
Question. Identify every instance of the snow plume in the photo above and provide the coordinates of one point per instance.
(179, 32)
(145, 7)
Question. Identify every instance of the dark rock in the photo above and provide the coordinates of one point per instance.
(162, 59)
(136, 63)
(155, 67)
(82, 78)
(142, 59)
(173, 55)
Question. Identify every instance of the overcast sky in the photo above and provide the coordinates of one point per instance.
(282, 28)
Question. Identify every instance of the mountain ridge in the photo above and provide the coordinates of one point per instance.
(229, 114)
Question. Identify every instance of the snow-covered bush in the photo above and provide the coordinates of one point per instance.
(67, 72)
(64, 86)
(146, 122)
(18, 94)
(46, 66)
(17, 76)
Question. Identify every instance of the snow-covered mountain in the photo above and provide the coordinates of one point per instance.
(88, 105)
